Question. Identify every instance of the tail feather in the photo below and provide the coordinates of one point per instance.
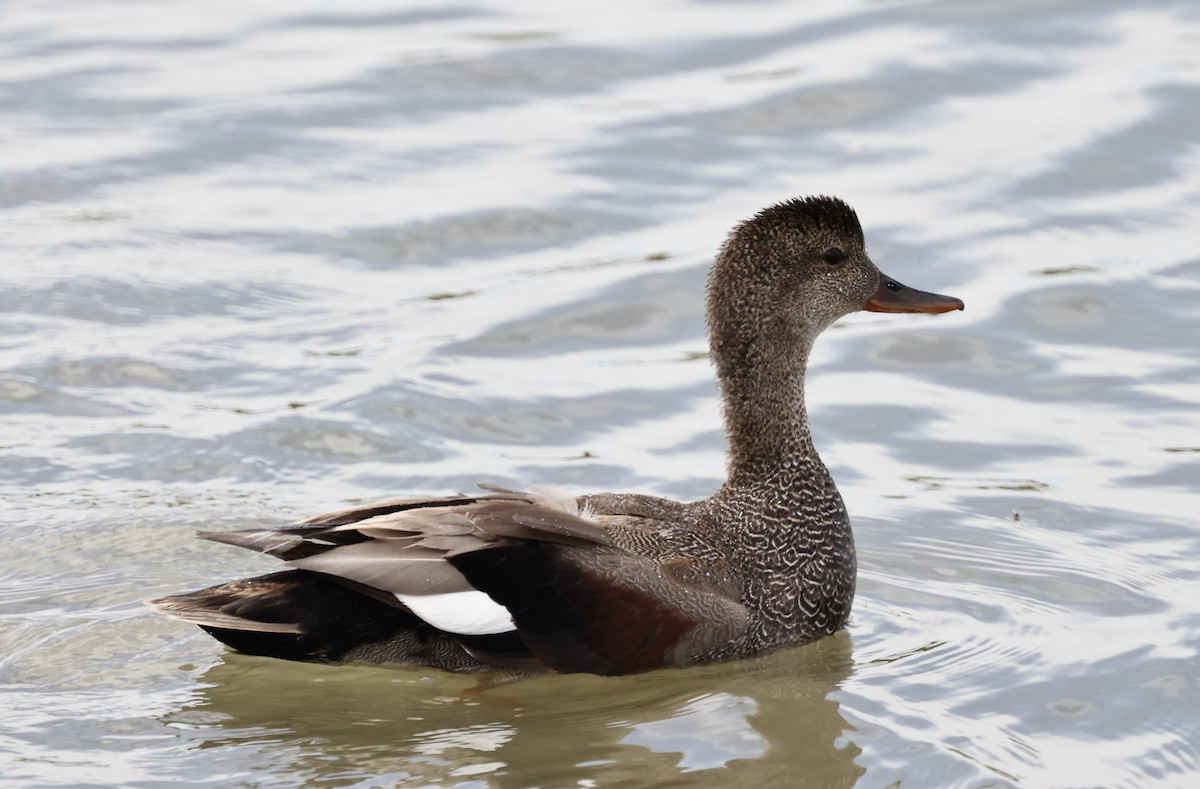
(306, 616)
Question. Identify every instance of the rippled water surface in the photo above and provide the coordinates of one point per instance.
(259, 260)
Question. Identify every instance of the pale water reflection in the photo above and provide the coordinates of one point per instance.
(262, 259)
(754, 720)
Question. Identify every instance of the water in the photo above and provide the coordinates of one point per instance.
(263, 260)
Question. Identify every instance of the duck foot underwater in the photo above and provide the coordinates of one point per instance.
(606, 583)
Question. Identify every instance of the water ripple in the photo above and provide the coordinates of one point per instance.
(264, 260)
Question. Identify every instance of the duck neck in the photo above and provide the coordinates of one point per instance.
(762, 386)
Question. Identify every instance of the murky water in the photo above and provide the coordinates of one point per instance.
(259, 260)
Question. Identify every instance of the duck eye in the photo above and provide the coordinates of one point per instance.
(833, 255)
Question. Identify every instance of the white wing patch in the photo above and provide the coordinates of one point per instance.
(465, 613)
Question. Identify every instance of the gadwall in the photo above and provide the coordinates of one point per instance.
(605, 583)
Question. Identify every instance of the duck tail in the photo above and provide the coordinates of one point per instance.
(305, 616)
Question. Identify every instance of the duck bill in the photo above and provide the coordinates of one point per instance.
(891, 296)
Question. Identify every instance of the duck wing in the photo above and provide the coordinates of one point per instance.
(513, 577)
(602, 610)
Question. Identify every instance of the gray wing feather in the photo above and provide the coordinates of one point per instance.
(400, 547)
(393, 566)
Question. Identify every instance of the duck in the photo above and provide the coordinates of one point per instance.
(604, 583)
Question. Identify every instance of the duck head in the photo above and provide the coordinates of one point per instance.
(795, 268)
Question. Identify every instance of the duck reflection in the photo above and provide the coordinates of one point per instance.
(769, 720)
